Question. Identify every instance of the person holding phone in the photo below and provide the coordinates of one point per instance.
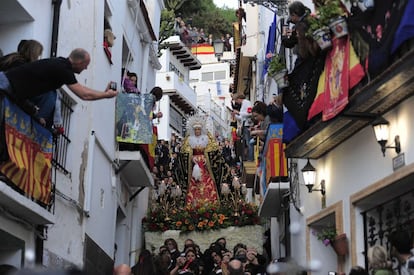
(44, 75)
(256, 263)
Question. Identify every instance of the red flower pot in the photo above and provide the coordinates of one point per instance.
(340, 245)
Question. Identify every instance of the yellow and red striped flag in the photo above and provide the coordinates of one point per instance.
(30, 150)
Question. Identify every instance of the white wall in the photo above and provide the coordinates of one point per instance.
(163, 128)
(81, 25)
(347, 169)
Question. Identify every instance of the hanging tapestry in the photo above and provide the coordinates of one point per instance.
(342, 72)
(30, 150)
(133, 122)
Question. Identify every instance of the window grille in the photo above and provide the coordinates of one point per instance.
(61, 142)
(383, 219)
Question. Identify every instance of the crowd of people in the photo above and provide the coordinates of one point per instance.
(218, 258)
(238, 260)
(193, 35)
(250, 122)
(190, 260)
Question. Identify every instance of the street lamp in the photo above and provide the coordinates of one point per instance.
(218, 45)
(381, 130)
(309, 177)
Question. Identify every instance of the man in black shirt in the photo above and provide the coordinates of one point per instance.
(39, 77)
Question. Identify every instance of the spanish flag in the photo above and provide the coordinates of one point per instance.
(341, 73)
(202, 49)
(30, 149)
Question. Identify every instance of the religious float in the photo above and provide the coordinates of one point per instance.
(206, 201)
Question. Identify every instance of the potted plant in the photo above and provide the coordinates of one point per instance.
(332, 14)
(319, 31)
(329, 236)
(314, 24)
(277, 69)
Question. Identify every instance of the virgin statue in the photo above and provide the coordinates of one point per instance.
(202, 164)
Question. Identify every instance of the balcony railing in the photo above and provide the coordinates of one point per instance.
(178, 90)
(182, 51)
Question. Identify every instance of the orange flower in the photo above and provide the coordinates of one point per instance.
(211, 224)
(191, 227)
(178, 223)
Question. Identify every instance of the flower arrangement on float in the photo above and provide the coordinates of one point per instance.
(205, 216)
(168, 211)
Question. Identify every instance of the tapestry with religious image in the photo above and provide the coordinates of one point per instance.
(133, 118)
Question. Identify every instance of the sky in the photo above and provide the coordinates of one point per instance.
(233, 4)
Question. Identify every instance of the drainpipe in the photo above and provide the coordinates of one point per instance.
(55, 27)
(145, 62)
(88, 180)
(134, 228)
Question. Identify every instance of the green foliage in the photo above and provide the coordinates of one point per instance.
(229, 14)
(277, 63)
(166, 28)
(174, 4)
(215, 25)
(328, 10)
(314, 23)
(204, 14)
(201, 14)
(195, 8)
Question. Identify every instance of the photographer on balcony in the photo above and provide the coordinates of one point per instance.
(39, 77)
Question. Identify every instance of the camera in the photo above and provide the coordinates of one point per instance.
(113, 86)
